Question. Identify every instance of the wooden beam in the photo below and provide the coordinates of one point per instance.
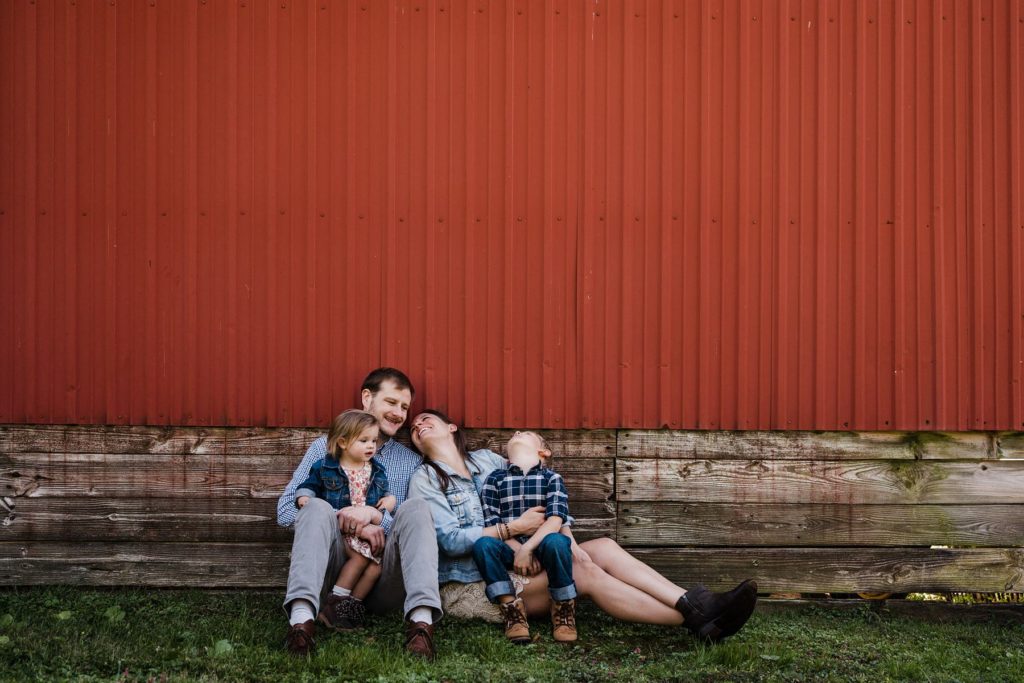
(831, 481)
(753, 524)
(827, 570)
(733, 445)
(263, 565)
(174, 565)
(227, 520)
(177, 440)
(161, 475)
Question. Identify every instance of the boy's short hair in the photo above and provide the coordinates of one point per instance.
(380, 375)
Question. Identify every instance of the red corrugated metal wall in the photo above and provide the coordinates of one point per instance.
(723, 214)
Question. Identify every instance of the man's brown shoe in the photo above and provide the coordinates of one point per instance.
(419, 639)
(563, 620)
(516, 628)
(299, 640)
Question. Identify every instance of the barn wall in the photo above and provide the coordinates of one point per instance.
(728, 214)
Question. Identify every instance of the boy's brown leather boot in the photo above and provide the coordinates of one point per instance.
(516, 628)
(563, 620)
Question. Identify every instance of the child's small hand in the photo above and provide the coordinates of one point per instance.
(523, 563)
(387, 503)
(579, 554)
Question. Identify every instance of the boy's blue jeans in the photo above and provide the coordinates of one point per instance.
(494, 558)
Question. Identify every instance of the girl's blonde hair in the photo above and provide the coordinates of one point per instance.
(345, 427)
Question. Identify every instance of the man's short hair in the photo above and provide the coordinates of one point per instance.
(380, 375)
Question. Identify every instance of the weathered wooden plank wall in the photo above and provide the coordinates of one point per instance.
(814, 512)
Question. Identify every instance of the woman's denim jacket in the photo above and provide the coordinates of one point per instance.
(327, 480)
(458, 514)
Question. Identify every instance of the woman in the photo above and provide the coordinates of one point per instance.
(450, 480)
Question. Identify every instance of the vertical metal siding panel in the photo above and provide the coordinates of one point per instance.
(925, 235)
(8, 163)
(691, 97)
(590, 244)
(255, 213)
(784, 413)
(227, 20)
(1016, 117)
(728, 210)
(882, 217)
(240, 212)
(532, 176)
(709, 316)
(848, 28)
(768, 217)
(44, 184)
(826, 223)
(1002, 219)
(744, 386)
(456, 218)
(980, 88)
(318, 261)
(613, 217)
(630, 295)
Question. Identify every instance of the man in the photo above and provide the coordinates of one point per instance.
(409, 565)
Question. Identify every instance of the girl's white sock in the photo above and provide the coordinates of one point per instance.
(302, 611)
(338, 590)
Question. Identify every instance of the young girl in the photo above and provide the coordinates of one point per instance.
(350, 475)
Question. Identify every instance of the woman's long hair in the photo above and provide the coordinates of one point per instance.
(444, 481)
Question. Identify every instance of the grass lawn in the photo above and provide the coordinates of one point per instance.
(62, 634)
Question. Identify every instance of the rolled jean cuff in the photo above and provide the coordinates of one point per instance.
(561, 594)
(495, 590)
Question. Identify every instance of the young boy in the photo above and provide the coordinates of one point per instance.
(507, 494)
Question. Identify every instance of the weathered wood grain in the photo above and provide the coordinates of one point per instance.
(191, 520)
(830, 481)
(134, 476)
(752, 524)
(200, 565)
(734, 445)
(811, 570)
(143, 519)
(223, 475)
(826, 570)
(163, 440)
(1010, 445)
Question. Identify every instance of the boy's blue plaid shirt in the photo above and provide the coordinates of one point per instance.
(508, 493)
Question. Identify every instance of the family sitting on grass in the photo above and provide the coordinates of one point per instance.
(380, 528)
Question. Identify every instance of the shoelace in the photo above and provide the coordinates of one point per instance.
(565, 615)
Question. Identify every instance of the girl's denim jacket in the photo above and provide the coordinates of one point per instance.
(327, 480)
(458, 513)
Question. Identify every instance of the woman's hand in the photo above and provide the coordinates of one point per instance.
(524, 562)
(528, 523)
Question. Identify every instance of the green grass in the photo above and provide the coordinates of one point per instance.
(64, 634)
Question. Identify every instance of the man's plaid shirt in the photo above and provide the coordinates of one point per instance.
(508, 493)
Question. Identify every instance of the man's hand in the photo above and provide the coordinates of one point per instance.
(529, 522)
(374, 535)
(524, 562)
(352, 519)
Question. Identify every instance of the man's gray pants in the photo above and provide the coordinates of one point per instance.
(408, 576)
